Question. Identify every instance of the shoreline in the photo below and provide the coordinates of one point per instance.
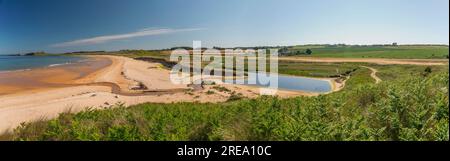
(44, 66)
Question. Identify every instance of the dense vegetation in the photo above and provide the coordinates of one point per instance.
(413, 107)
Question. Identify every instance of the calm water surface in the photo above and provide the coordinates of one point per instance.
(291, 83)
(11, 63)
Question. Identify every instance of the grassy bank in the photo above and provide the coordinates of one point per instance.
(310, 69)
(408, 108)
(395, 52)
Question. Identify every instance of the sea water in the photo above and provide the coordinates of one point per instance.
(13, 63)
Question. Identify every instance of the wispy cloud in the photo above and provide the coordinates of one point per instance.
(107, 38)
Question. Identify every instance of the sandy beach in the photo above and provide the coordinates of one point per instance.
(104, 81)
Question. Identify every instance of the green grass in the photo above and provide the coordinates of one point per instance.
(144, 53)
(409, 107)
(360, 77)
(395, 52)
(314, 69)
(399, 52)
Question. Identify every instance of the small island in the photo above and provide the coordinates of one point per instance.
(41, 53)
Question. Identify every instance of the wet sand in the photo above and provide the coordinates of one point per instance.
(35, 80)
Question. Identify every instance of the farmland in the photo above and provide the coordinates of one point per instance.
(411, 103)
(391, 52)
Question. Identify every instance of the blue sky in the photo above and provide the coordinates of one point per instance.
(73, 25)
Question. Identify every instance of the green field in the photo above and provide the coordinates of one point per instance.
(395, 52)
(315, 69)
(284, 67)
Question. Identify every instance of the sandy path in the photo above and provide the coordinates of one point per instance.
(370, 60)
(373, 74)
